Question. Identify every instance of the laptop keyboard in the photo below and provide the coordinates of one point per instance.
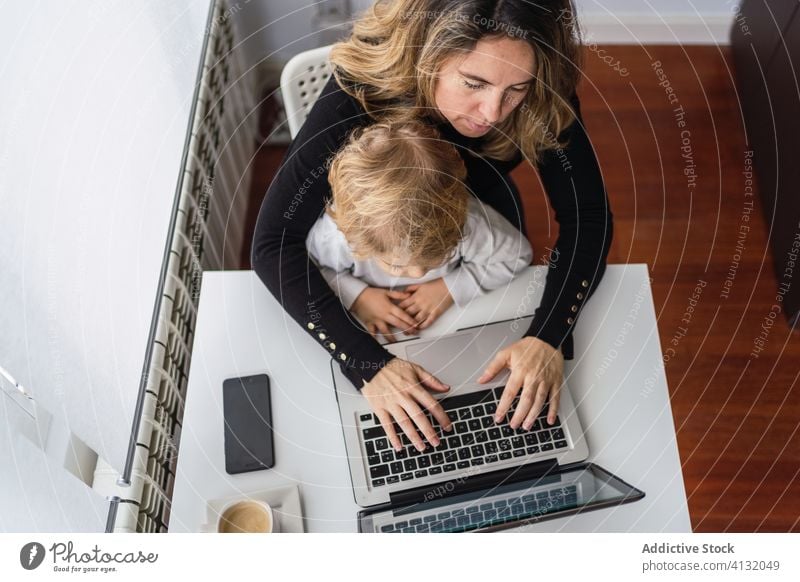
(474, 441)
(489, 513)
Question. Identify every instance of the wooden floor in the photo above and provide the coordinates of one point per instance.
(736, 416)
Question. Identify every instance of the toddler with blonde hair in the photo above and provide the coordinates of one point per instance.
(402, 239)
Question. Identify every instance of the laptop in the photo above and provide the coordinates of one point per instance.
(482, 476)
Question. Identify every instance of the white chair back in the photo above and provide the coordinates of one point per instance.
(302, 80)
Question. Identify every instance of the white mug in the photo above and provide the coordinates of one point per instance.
(244, 516)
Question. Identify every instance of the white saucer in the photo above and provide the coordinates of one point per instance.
(285, 503)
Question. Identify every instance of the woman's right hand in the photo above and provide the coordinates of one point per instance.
(398, 394)
(377, 309)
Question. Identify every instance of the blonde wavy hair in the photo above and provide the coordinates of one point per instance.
(391, 60)
(399, 189)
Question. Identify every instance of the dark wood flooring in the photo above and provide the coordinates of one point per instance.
(736, 416)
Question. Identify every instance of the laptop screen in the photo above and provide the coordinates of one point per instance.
(583, 488)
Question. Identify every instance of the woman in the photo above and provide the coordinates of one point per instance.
(497, 79)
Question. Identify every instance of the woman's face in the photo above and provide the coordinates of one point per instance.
(480, 89)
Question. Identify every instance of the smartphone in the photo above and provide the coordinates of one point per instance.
(247, 413)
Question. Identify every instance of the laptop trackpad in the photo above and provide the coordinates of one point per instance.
(456, 359)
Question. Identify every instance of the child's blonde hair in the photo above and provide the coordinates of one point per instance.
(399, 188)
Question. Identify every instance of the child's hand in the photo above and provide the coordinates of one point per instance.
(376, 308)
(427, 302)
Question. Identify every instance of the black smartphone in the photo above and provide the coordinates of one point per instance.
(247, 412)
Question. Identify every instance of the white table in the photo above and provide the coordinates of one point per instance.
(620, 392)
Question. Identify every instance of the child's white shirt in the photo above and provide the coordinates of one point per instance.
(491, 253)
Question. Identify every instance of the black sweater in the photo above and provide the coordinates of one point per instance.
(298, 193)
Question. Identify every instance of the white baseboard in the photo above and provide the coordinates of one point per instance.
(639, 28)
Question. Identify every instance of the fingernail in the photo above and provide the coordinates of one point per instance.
(497, 418)
(526, 426)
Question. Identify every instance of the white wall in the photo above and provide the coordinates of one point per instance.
(657, 21)
(276, 30)
(94, 109)
(659, 6)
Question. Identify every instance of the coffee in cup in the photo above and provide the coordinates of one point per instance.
(246, 516)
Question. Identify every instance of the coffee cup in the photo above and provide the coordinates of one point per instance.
(246, 516)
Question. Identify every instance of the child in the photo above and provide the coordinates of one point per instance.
(401, 217)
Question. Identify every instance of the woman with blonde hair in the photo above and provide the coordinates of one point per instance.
(497, 79)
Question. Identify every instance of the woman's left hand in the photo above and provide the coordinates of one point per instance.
(537, 368)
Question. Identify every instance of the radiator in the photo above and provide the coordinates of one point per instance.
(207, 235)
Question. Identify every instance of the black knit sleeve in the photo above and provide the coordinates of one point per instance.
(574, 186)
(293, 203)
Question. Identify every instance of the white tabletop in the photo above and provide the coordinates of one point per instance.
(617, 381)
